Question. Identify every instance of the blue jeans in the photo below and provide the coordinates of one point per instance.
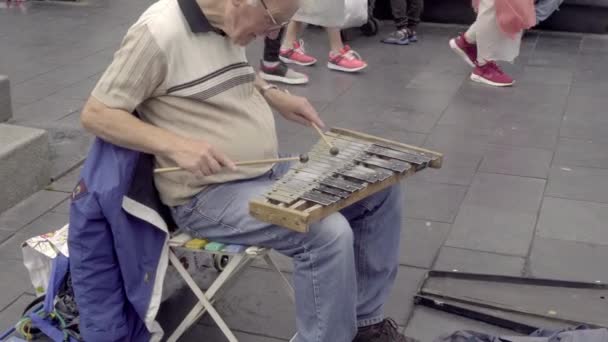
(344, 267)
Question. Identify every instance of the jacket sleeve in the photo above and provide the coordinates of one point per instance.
(96, 279)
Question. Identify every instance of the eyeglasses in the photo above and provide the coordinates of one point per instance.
(276, 24)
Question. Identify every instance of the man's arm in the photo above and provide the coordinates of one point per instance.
(124, 129)
(294, 108)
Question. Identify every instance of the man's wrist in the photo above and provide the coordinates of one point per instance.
(268, 88)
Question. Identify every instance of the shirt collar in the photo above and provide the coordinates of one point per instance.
(196, 19)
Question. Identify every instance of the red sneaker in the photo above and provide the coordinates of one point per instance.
(464, 49)
(491, 74)
(296, 55)
(346, 60)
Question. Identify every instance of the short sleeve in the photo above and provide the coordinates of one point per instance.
(135, 74)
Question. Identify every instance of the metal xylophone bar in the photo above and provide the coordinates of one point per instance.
(357, 165)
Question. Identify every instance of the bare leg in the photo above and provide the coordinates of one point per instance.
(335, 40)
(291, 34)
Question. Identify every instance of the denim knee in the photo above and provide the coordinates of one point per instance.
(333, 230)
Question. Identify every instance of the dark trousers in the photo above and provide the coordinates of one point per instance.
(407, 13)
(272, 47)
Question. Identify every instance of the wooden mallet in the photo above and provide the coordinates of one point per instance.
(333, 150)
(303, 158)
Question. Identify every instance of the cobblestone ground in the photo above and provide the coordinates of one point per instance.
(524, 189)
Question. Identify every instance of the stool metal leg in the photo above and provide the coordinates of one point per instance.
(273, 265)
(203, 301)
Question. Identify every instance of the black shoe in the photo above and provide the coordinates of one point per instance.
(385, 331)
(282, 73)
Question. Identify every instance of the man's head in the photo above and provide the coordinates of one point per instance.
(246, 19)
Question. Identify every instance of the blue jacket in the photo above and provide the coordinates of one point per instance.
(118, 246)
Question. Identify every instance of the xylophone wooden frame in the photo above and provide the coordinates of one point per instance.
(299, 220)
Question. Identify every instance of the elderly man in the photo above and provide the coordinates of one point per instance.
(182, 66)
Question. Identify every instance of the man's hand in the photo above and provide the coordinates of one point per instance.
(294, 108)
(200, 158)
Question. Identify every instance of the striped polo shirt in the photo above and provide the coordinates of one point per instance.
(182, 74)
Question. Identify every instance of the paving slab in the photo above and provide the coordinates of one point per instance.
(493, 230)
(458, 168)
(510, 129)
(4, 234)
(330, 86)
(578, 152)
(498, 215)
(67, 182)
(420, 242)
(573, 221)
(433, 80)
(427, 324)
(258, 304)
(63, 208)
(400, 302)
(519, 194)
(583, 102)
(541, 75)
(594, 43)
(517, 161)
(11, 315)
(213, 333)
(15, 282)
(470, 261)
(450, 139)
(578, 183)
(366, 113)
(50, 108)
(585, 126)
(80, 90)
(553, 59)
(433, 201)
(11, 248)
(568, 260)
(30, 209)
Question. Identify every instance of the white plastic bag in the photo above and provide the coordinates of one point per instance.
(38, 254)
(355, 13)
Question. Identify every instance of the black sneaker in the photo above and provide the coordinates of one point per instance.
(282, 73)
(385, 331)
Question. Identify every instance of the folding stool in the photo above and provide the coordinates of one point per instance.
(237, 263)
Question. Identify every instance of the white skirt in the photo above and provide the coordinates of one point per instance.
(492, 43)
(325, 13)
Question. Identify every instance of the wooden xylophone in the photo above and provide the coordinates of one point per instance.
(325, 184)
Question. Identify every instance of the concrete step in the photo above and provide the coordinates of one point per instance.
(6, 108)
(24, 163)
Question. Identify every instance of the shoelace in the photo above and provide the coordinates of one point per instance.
(350, 54)
(300, 47)
(495, 67)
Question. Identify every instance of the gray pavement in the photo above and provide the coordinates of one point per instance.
(524, 189)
